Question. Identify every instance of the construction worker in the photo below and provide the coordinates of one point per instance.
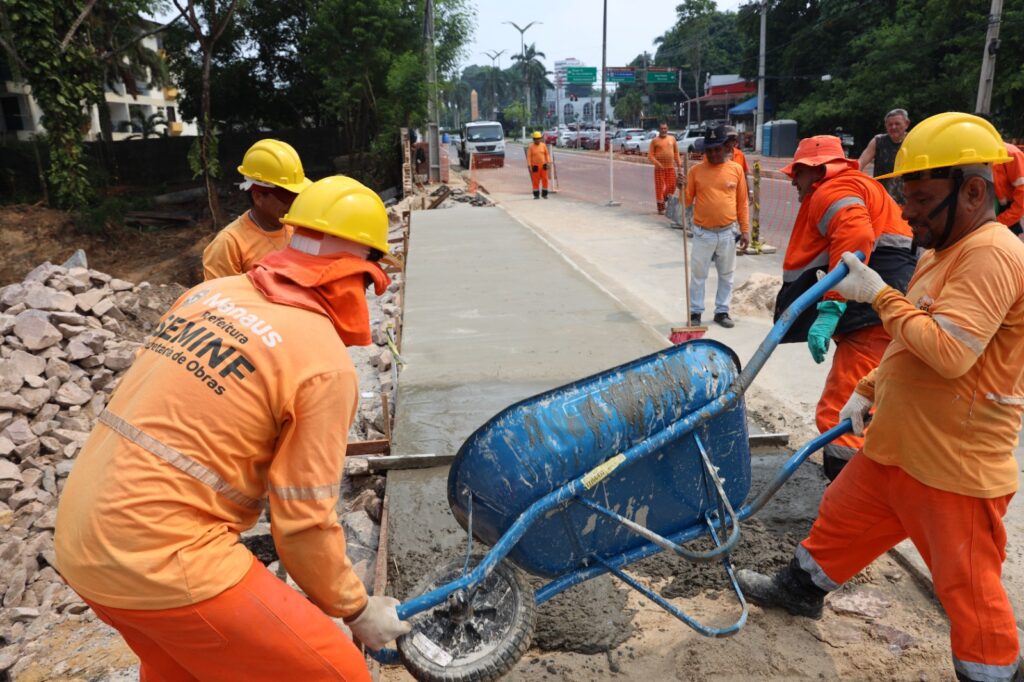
(882, 151)
(937, 464)
(733, 151)
(243, 396)
(273, 176)
(664, 154)
(717, 189)
(538, 158)
(841, 209)
(1008, 179)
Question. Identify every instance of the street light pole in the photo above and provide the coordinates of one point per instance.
(604, 109)
(433, 138)
(759, 119)
(494, 81)
(522, 58)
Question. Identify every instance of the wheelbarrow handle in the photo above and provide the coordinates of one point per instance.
(786, 320)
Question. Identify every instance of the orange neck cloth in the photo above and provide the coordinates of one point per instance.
(334, 286)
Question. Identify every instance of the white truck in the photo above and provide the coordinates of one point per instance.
(486, 141)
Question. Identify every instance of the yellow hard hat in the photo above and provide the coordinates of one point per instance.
(949, 139)
(343, 207)
(536, 134)
(276, 163)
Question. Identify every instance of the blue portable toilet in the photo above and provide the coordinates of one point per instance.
(766, 138)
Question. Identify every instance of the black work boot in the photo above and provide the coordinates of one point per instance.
(724, 320)
(791, 589)
(544, 193)
(661, 208)
(694, 319)
(536, 194)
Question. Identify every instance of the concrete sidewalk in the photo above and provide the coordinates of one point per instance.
(492, 316)
(639, 260)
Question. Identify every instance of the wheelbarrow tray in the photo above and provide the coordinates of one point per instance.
(542, 443)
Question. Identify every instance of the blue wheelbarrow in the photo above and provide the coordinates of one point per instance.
(586, 479)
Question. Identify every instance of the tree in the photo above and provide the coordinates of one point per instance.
(48, 51)
(208, 22)
(628, 104)
(534, 75)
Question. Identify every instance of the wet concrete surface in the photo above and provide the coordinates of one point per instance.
(492, 315)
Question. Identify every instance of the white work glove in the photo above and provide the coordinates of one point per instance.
(856, 409)
(862, 284)
(378, 624)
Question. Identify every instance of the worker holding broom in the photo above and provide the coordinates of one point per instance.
(242, 398)
(538, 158)
(272, 176)
(664, 154)
(841, 209)
(937, 464)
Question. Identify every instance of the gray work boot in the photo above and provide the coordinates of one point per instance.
(790, 589)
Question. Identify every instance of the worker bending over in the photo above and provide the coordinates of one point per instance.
(273, 176)
(841, 209)
(664, 154)
(242, 397)
(937, 464)
(538, 158)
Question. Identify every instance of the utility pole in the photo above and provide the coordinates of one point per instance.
(759, 119)
(495, 56)
(604, 109)
(988, 59)
(433, 138)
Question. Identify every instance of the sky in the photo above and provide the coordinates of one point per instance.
(572, 28)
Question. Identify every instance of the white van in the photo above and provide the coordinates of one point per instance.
(485, 140)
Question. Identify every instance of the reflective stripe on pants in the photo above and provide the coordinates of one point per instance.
(258, 630)
(871, 507)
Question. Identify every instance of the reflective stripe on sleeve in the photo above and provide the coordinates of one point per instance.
(819, 261)
(179, 461)
(299, 493)
(1005, 399)
(895, 241)
(960, 334)
(833, 209)
(1018, 182)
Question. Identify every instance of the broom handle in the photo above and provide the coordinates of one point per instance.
(686, 227)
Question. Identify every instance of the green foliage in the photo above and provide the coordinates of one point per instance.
(102, 217)
(195, 156)
(515, 115)
(628, 105)
(63, 80)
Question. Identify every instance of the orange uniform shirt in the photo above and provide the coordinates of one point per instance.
(1008, 179)
(720, 191)
(949, 391)
(236, 248)
(537, 154)
(233, 402)
(664, 152)
(739, 157)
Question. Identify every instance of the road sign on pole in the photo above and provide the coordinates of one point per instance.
(661, 75)
(624, 74)
(581, 75)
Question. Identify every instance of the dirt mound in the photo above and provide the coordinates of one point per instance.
(34, 234)
(757, 295)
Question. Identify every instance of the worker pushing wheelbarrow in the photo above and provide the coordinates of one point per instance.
(587, 479)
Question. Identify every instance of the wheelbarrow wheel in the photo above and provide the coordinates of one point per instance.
(476, 635)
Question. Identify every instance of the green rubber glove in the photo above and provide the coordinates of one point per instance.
(823, 328)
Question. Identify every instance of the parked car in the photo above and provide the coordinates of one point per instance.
(687, 139)
(592, 139)
(551, 136)
(645, 144)
(632, 143)
(623, 136)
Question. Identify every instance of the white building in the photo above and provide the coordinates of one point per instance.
(20, 115)
(584, 109)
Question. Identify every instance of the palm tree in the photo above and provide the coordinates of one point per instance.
(533, 72)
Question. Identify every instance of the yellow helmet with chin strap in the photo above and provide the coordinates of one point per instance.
(340, 206)
(275, 163)
(947, 140)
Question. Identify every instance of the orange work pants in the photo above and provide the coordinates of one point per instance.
(872, 507)
(857, 353)
(664, 183)
(260, 629)
(538, 178)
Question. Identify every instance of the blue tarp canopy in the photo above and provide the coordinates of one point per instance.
(748, 107)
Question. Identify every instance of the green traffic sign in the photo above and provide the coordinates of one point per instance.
(581, 74)
(661, 76)
(624, 75)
